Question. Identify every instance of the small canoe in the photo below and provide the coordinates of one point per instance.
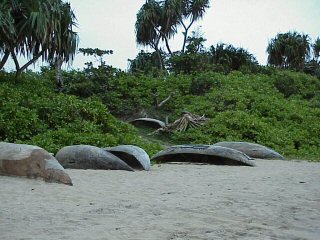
(203, 154)
(252, 149)
(90, 157)
(134, 156)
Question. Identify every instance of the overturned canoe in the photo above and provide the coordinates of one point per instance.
(148, 122)
(203, 154)
(134, 156)
(31, 161)
(252, 149)
(90, 157)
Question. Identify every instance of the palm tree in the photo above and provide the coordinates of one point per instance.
(147, 27)
(289, 50)
(159, 20)
(39, 29)
(231, 58)
(188, 12)
(6, 29)
(63, 44)
(316, 49)
(147, 24)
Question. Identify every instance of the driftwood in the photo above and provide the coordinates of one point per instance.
(188, 120)
(150, 122)
(160, 104)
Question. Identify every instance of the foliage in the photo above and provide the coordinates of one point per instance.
(195, 43)
(121, 93)
(147, 63)
(232, 58)
(159, 20)
(220, 58)
(97, 54)
(289, 50)
(279, 109)
(295, 51)
(276, 108)
(316, 49)
(36, 29)
(189, 63)
(291, 83)
(203, 83)
(32, 112)
(250, 108)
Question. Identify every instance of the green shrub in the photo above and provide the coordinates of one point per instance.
(247, 107)
(33, 112)
(279, 109)
(293, 83)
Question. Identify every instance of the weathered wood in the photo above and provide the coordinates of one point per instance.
(150, 122)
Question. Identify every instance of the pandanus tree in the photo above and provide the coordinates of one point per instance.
(37, 29)
(7, 30)
(159, 20)
(230, 57)
(316, 49)
(313, 65)
(63, 44)
(187, 13)
(147, 27)
(289, 50)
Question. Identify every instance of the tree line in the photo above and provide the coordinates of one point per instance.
(158, 21)
(45, 30)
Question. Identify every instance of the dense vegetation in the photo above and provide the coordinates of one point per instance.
(33, 112)
(276, 108)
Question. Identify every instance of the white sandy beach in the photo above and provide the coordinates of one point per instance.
(274, 200)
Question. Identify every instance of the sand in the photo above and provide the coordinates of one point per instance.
(274, 200)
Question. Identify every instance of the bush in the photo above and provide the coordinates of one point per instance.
(32, 112)
(292, 83)
(279, 109)
(246, 107)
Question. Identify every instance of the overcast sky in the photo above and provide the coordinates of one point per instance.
(109, 24)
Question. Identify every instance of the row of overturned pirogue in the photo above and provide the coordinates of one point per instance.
(33, 162)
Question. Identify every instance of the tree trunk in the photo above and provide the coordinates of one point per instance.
(161, 65)
(24, 67)
(4, 59)
(162, 34)
(59, 79)
(15, 60)
(184, 40)
(155, 45)
(167, 45)
(185, 33)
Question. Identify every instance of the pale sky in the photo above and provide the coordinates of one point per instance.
(109, 24)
